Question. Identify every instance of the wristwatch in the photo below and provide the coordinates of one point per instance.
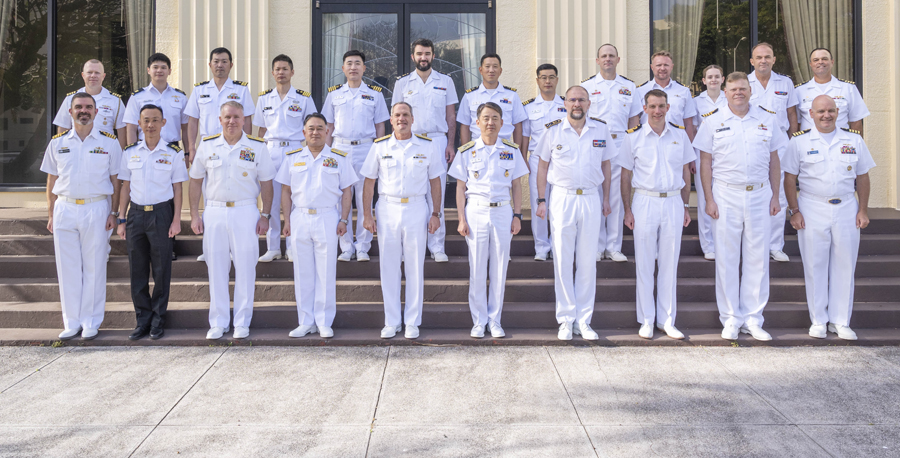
(518, 215)
(116, 214)
(687, 206)
(436, 214)
(541, 200)
(266, 215)
(122, 221)
(344, 221)
(791, 211)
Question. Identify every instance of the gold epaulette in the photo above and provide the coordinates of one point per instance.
(262, 93)
(852, 131)
(511, 88)
(675, 125)
(257, 139)
(634, 129)
(137, 91)
(382, 138)
(338, 152)
(552, 123)
(374, 88)
(846, 81)
(471, 89)
(335, 87)
(423, 137)
(174, 146)
(528, 101)
(201, 83)
(211, 137)
(71, 93)
(766, 109)
(711, 112)
(112, 136)
(117, 95)
(598, 120)
(61, 134)
(466, 147)
(510, 143)
(131, 145)
(304, 93)
(240, 83)
(179, 90)
(294, 151)
(801, 132)
(401, 76)
(588, 79)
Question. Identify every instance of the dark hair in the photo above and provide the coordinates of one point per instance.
(151, 106)
(352, 53)
(314, 116)
(401, 103)
(543, 67)
(491, 105)
(220, 50)
(830, 56)
(762, 43)
(607, 44)
(424, 42)
(656, 93)
(159, 57)
(82, 95)
(283, 58)
(491, 55)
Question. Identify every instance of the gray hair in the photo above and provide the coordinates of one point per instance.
(231, 103)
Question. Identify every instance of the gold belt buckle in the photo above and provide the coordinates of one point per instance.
(749, 187)
(229, 204)
(79, 201)
(284, 143)
(579, 192)
(311, 211)
(148, 208)
(354, 142)
(404, 200)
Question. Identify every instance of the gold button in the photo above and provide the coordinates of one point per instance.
(245, 173)
(849, 167)
(506, 173)
(476, 174)
(749, 187)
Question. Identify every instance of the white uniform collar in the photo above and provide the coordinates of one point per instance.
(838, 133)
(753, 113)
(650, 130)
(568, 125)
(671, 82)
(499, 87)
(414, 75)
(151, 87)
(220, 140)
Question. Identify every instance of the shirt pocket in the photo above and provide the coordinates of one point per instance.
(295, 118)
(476, 170)
(162, 173)
(245, 170)
(848, 163)
(98, 164)
(722, 138)
(438, 97)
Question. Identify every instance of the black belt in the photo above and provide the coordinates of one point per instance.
(150, 208)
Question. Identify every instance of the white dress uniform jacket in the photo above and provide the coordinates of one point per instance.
(110, 111)
(851, 106)
(172, 101)
(207, 99)
(504, 96)
(540, 113)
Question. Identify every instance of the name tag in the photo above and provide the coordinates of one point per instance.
(815, 151)
(63, 150)
(204, 96)
(723, 129)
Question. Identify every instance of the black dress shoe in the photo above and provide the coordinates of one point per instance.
(156, 333)
(174, 256)
(139, 333)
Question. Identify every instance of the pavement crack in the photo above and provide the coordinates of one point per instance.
(387, 358)
(37, 370)
(572, 401)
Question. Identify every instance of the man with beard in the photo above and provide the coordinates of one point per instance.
(81, 167)
(110, 109)
(575, 155)
(432, 96)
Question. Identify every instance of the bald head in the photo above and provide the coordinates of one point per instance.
(824, 112)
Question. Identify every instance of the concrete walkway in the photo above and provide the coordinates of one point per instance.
(449, 401)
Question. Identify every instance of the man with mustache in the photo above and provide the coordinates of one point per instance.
(110, 109)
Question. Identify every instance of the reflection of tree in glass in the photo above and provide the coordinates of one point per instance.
(716, 45)
(376, 37)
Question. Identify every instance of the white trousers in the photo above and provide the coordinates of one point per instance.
(489, 240)
(776, 235)
(273, 234)
(742, 236)
(829, 247)
(574, 224)
(658, 222)
(612, 226)
(81, 244)
(704, 221)
(539, 226)
(315, 265)
(357, 155)
(402, 234)
(230, 233)
(436, 240)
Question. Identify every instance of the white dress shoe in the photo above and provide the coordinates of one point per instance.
(303, 330)
(711, 256)
(646, 331)
(440, 257)
(270, 256)
(201, 258)
(540, 256)
(215, 333)
(818, 331)
(778, 255)
(585, 331)
(496, 331)
(565, 331)
(66, 335)
(601, 255)
(412, 332)
(90, 334)
(756, 332)
(730, 332)
(326, 332)
(390, 331)
(241, 332)
(346, 256)
(673, 332)
(843, 332)
(288, 256)
(362, 256)
(617, 256)
(477, 331)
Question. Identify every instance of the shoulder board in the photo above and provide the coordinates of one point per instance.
(131, 145)
(201, 83)
(112, 136)
(381, 139)
(635, 129)
(784, 76)
(294, 151)
(71, 93)
(471, 89)
(510, 143)
(466, 147)
(766, 109)
(675, 125)
(403, 75)
(645, 82)
(676, 82)
(211, 137)
(511, 88)
(262, 93)
(423, 137)
(552, 123)
(304, 93)
(625, 78)
(240, 83)
(598, 120)
(589, 78)
(174, 146)
(846, 81)
(137, 91)
(117, 95)
(338, 152)
(335, 87)
(257, 139)
(562, 98)
(179, 90)
(801, 84)
(61, 134)
(711, 112)
(528, 101)
(801, 132)
(374, 88)
(852, 131)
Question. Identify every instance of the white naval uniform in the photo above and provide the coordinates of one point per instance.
(777, 96)
(283, 121)
(705, 107)
(657, 162)
(317, 185)
(681, 102)
(504, 96)
(206, 100)
(576, 205)
(110, 111)
(403, 169)
(829, 244)
(80, 239)
(614, 101)
(429, 101)
(354, 113)
(540, 113)
(151, 173)
(232, 174)
(740, 150)
(488, 171)
(171, 100)
(851, 106)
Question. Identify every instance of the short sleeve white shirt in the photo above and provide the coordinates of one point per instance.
(825, 168)
(777, 96)
(171, 100)
(83, 167)
(488, 170)
(614, 101)
(576, 160)
(283, 118)
(151, 173)
(656, 160)
(504, 96)
(207, 99)
(681, 103)
(110, 111)
(851, 106)
(232, 172)
(403, 168)
(429, 100)
(540, 113)
(354, 115)
(316, 182)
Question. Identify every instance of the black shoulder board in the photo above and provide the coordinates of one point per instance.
(294, 151)
(598, 120)
(645, 82)
(552, 123)
(562, 98)
(211, 137)
(374, 88)
(589, 78)
(801, 132)
(137, 91)
(466, 147)
(471, 89)
(117, 95)
(131, 145)
(304, 93)
(801, 84)
(174, 146)
(60, 134)
(528, 101)
(676, 125)
(401, 76)
(511, 88)
(381, 139)
(334, 88)
(423, 137)
(852, 131)
(179, 90)
(766, 109)
(200, 83)
(240, 83)
(112, 136)
(711, 112)
(846, 81)
(262, 93)
(634, 129)
(625, 78)
(338, 152)
(676, 81)
(510, 143)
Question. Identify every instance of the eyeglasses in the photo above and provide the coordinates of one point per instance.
(547, 78)
(576, 100)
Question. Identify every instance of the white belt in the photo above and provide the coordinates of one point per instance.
(745, 187)
(240, 203)
(344, 141)
(657, 194)
(577, 192)
(402, 200)
(487, 203)
(831, 200)
(314, 211)
(82, 201)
